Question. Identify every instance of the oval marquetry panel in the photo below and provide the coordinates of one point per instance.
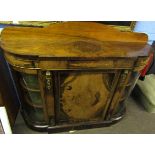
(84, 95)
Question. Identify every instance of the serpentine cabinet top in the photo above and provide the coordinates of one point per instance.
(74, 40)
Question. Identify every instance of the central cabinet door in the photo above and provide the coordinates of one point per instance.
(83, 95)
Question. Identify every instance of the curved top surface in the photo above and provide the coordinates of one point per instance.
(74, 39)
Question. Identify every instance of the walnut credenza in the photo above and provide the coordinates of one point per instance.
(73, 75)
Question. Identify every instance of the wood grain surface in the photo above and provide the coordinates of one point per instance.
(84, 95)
(74, 39)
(87, 63)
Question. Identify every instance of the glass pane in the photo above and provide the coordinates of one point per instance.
(34, 114)
(33, 101)
(31, 81)
(35, 97)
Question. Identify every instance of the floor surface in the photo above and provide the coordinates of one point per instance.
(136, 121)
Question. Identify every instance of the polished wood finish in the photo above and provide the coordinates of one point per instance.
(74, 39)
(84, 91)
(84, 72)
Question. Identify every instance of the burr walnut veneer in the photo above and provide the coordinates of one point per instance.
(73, 75)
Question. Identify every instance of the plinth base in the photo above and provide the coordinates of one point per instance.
(74, 126)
